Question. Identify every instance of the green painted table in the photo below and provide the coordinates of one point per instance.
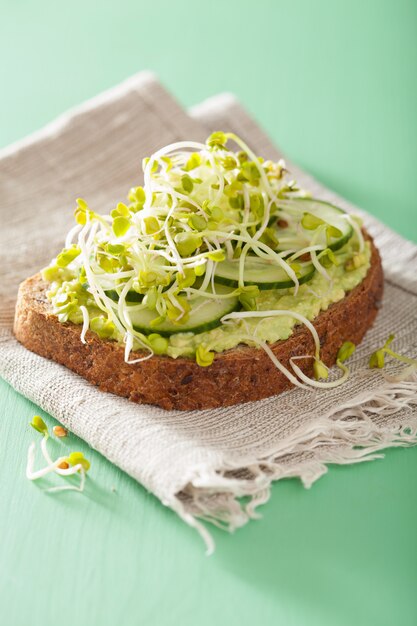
(334, 84)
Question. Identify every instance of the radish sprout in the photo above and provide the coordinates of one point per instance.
(63, 466)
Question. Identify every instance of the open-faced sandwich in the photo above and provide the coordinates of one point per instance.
(219, 282)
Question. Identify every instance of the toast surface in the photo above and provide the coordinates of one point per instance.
(239, 375)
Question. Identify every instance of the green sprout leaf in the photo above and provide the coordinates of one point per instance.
(345, 351)
(67, 255)
(154, 167)
(216, 213)
(187, 279)
(311, 222)
(77, 458)
(269, 238)
(157, 321)
(237, 202)
(327, 257)
(217, 256)
(120, 226)
(178, 314)
(247, 297)
(168, 162)
(257, 204)
(203, 356)
(102, 327)
(320, 370)
(200, 270)
(137, 197)
(389, 340)
(151, 225)
(217, 140)
(187, 183)
(198, 222)
(38, 424)
(115, 248)
(332, 232)
(193, 162)
(81, 212)
(121, 210)
(187, 243)
(229, 163)
(377, 359)
(249, 172)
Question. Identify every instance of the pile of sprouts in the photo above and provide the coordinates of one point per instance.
(200, 205)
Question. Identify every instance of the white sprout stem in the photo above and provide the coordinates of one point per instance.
(357, 229)
(317, 383)
(209, 295)
(218, 173)
(123, 311)
(264, 224)
(264, 346)
(319, 267)
(86, 322)
(207, 276)
(51, 467)
(307, 249)
(242, 257)
(280, 366)
(128, 349)
(80, 487)
(62, 472)
(313, 254)
(69, 238)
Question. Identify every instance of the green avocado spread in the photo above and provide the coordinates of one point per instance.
(67, 295)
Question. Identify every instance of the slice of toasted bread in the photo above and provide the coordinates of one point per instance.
(238, 375)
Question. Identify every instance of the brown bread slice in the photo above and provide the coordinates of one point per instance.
(239, 375)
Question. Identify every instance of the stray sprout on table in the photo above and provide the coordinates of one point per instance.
(64, 465)
(377, 360)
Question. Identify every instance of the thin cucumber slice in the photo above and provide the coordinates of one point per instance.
(327, 212)
(332, 215)
(261, 272)
(132, 296)
(205, 314)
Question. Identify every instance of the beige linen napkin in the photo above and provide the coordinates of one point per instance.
(198, 463)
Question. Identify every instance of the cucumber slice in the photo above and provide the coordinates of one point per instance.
(329, 213)
(205, 314)
(261, 272)
(332, 215)
(132, 296)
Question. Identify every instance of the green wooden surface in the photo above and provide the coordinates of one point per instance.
(334, 84)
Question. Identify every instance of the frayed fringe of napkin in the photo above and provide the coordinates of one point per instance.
(228, 498)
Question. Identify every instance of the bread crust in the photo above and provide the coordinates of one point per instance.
(239, 375)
